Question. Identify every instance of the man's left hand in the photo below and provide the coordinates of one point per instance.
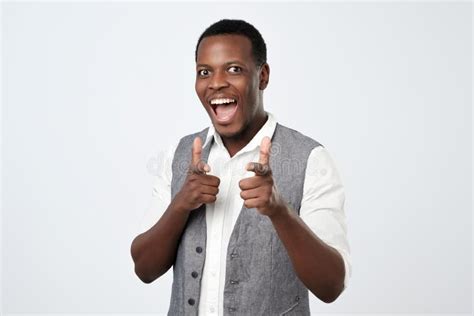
(260, 191)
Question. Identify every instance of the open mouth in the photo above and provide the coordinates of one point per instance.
(224, 109)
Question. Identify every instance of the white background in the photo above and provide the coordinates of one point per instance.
(94, 92)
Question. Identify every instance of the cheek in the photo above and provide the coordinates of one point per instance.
(250, 89)
(244, 89)
(199, 90)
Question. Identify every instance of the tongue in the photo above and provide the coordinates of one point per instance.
(224, 111)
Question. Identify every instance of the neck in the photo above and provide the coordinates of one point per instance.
(235, 143)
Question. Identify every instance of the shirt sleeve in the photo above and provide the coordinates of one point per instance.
(161, 188)
(322, 206)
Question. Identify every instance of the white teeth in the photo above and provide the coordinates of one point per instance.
(222, 101)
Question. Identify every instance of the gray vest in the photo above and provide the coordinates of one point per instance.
(260, 278)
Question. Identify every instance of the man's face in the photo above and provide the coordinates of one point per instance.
(229, 83)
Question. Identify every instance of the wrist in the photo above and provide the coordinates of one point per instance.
(178, 208)
(282, 213)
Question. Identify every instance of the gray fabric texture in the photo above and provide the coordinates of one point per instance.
(260, 278)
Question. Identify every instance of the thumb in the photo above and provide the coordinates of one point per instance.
(265, 147)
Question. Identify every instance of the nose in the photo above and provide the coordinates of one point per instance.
(218, 81)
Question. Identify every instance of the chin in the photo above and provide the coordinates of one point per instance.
(229, 131)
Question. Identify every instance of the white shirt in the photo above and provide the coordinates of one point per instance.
(322, 206)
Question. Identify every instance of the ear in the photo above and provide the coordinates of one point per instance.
(264, 76)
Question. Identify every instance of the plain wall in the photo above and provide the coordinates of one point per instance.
(93, 93)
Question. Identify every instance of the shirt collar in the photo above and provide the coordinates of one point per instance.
(267, 130)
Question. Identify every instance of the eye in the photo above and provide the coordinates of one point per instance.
(203, 72)
(235, 69)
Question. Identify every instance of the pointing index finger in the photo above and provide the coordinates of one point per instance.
(197, 150)
(265, 147)
(197, 164)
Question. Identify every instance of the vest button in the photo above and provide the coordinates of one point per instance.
(231, 309)
(234, 282)
(297, 298)
(233, 255)
(191, 301)
(198, 249)
(194, 274)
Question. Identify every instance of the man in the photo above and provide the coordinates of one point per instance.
(254, 210)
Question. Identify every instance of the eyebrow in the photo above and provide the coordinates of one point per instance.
(203, 65)
(226, 64)
(234, 62)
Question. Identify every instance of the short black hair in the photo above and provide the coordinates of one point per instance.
(238, 27)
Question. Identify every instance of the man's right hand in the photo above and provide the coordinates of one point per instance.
(198, 188)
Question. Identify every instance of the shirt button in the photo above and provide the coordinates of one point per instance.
(198, 249)
(191, 301)
(213, 273)
(194, 274)
(212, 309)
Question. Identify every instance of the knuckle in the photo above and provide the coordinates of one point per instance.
(209, 198)
(268, 190)
(192, 185)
